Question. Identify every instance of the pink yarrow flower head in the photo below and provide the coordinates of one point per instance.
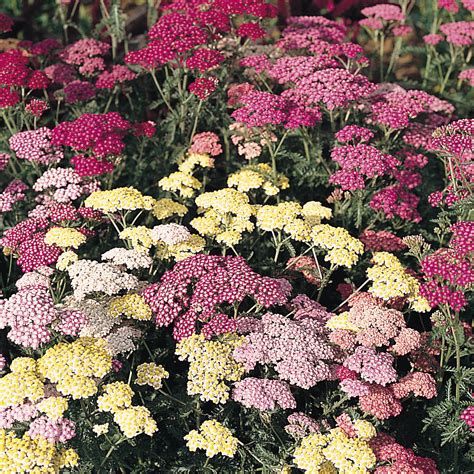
(402, 30)
(358, 162)
(259, 62)
(203, 87)
(91, 166)
(354, 133)
(449, 5)
(459, 33)
(4, 159)
(79, 91)
(55, 431)
(12, 194)
(117, 75)
(299, 350)
(60, 73)
(36, 107)
(396, 201)
(381, 241)
(333, 88)
(8, 98)
(36, 145)
(204, 59)
(467, 415)
(82, 50)
(263, 394)
(100, 133)
(432, 39)
(384, 11)
(467, 75)
(456, 138)
(206, 142)
(6, 23)
(301, 425)
(201, 283)
(261, 109)
(397, 458)
(468, 5)
(251, 30)
(395, 109)
(28, 314)
(45, 47)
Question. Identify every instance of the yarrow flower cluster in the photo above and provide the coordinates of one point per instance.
(212, 366)
(263, 394)
(36, 146)
(298, 349)
(214, 438)
(334, 451)
(226, 216)
(132, 420)
(193, 289)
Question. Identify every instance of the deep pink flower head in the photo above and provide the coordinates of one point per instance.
(100, 133)
(311, 32)
(463, 237)
(79, 91)
(194, 288)
(8, 98)
(91, 166)
(38, 80)
(203, 87)
(204, 59)
(259, 62)
(396, 201)
(355, 133)
(456, 138)
(60, 73)
(36, 107)
(263, 108)
(251, 30)
(6, 23)
(396, 108)
(449, 5)
(467, 415)
(4, 159)
(381, 241)
(14, 70)
(44, 47)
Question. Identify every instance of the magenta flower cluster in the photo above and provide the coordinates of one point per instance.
(193, 289)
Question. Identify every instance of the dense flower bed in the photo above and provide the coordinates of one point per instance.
(231, 245)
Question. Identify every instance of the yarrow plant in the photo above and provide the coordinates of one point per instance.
(234, 239)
